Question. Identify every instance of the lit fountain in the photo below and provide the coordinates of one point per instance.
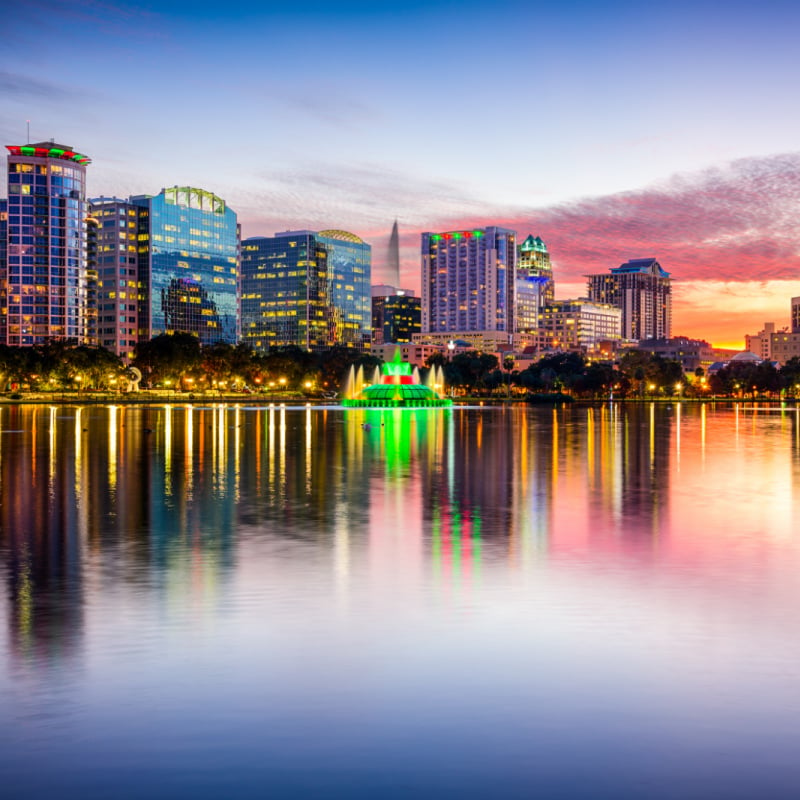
(399, 387)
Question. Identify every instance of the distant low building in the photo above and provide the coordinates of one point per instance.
(483, 341)
(413, 353)
(578, 325)
(692, 353)
(760, 343)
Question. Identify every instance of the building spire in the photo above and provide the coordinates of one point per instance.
(393, 258)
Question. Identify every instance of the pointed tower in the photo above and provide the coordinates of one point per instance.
(393, 258)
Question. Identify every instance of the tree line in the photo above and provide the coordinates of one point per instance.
(177, 362)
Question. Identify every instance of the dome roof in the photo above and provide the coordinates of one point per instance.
(747, 356)
(343, 236)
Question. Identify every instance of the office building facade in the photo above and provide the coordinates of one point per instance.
(43, 283)
(396, 314)
(306, 288)
(642, 290)
(114, 254)
(468, 280)
(578, 325)
(188, 265)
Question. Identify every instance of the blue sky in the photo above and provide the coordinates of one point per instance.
(350, 114)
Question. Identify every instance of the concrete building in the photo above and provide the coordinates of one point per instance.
(468, 280)
(692, 353)
(482, 341)
(43, 282)
(306, 288)
(578, 325)
(643, 292)
(114, 252)
(761, 343)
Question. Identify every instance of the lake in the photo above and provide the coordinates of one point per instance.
(237, 601)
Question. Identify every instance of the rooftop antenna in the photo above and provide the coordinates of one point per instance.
(29, 130)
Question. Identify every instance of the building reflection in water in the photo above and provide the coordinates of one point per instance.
(165, 496)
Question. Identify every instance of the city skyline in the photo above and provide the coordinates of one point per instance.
(612, 132)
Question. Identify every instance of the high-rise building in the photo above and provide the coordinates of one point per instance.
(3, 239)
(468, 280)
(533, 262)
(643, 291)
(306, 288)
(114, 249)
(396, 314)
(43, 282)
(535, 287)
(188, 265)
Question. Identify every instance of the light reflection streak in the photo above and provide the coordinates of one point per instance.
(282, 454)
(652, 438)
(703, 424)
(308, 449)
(168, 450)
(219, 420)
(678, 437)
(51, 466)
(590, 453)
(80, 500)
(272, 454)
(451, 457)
(237, 446)
(554, 452)
(112, 448)
(189, 452)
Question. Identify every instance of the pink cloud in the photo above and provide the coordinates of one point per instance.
(737, 222)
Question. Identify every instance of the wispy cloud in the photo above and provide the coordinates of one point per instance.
(735, 222)
(731, 223)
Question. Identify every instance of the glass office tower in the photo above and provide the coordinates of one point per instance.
(307, 289)
(188, 242)
(43, 283)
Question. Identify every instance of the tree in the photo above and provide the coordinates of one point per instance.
(169, 356)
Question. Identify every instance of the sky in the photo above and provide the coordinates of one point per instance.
(612, 130)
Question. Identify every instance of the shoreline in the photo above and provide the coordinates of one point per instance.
(160, 398)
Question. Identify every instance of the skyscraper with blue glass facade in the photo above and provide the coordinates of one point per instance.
(43, 278)
(306, 288)
(188, 254)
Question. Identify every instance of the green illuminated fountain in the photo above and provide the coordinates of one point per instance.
(398, 388)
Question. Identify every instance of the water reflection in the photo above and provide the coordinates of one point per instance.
(635, 528)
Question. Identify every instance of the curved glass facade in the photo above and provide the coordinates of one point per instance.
(189, 266)
(307, 289)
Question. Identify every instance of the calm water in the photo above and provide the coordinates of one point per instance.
(252, 602)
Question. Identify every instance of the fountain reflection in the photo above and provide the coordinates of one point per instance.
(165, 492)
